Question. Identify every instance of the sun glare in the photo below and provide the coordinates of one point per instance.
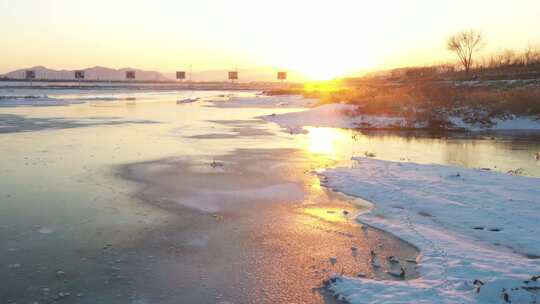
(324, 140)
(322, 72)
(328, 63)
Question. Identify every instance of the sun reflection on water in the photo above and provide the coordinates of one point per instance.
(325, 140)
(326, 214)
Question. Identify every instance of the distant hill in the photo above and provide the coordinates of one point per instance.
(94, 73)
(260, 74)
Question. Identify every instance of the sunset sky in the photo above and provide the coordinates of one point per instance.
(320, 39)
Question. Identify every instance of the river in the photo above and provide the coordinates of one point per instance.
(129, 197)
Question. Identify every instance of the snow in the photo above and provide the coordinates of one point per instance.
(332, 115)
(198, 241)
(45, 230)
(187, 100)
(214, 200)
(517, 123)
(345, 116)
(514, 123)
(496, 83)
(14, 101)
(468, 224)
(263, 101)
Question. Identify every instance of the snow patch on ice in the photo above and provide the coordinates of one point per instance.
(264, 101)
(35, 101)
(45, 230)
(481, 224)
(44, 100)
(214, 200)
(198, 241)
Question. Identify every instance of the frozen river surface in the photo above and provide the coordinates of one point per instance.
(129, 197)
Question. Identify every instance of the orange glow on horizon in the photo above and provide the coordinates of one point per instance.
(321, 40)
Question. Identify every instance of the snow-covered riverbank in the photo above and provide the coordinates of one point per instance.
(475, 229)
(345, 116)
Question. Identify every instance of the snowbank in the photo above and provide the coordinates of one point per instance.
(468, 224)
(334, 116)
(344, 116)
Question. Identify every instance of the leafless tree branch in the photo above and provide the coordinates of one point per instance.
(465, 44)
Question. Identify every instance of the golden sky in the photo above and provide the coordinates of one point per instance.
(321, 39)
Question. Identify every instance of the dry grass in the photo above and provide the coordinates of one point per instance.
(434, 102)
(394, 100)
(435, 97)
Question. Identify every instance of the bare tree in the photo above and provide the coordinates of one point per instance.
(465, 44)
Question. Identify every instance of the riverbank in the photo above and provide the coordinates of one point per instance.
(340, 115)
(428, 105)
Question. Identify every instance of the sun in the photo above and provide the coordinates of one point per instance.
(327, 62)
(322, 72)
